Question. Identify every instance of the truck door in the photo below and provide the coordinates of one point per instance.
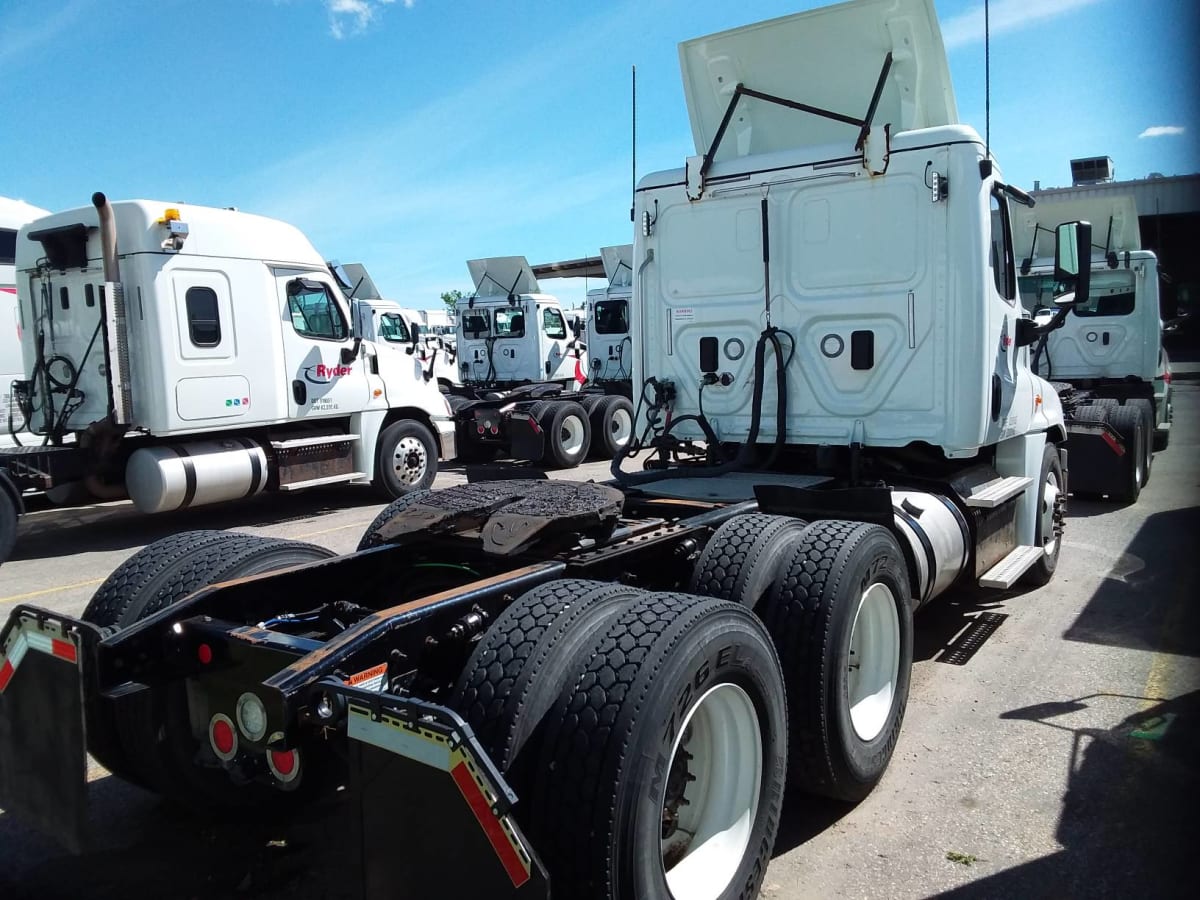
(325, 372)
(560, 362)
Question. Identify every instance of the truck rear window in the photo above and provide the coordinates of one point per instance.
(8, 246)
(612, 316)
(510, 323)
(475, 323)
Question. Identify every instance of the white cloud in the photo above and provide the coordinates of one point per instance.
(1162, 131)
(1004, 16)
(348, 17)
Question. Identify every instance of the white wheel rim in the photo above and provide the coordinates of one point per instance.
(570, 435)
(620, 427)
(409, 460)
(874, 663)
(704, 840)
(1049, 503)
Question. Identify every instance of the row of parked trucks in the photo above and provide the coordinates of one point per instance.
(533, 688)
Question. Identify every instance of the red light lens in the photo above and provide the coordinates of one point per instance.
(284, 762)
(223, 737)
(204, 654)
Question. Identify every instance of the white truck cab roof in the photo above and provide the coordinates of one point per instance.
(500, 276)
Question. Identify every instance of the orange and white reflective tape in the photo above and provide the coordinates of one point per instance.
(435, 750)
(51, 641)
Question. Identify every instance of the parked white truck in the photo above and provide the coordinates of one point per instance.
(183, 355)
(1107, 360)
(523, 362)
(608, 335)
(13, 214)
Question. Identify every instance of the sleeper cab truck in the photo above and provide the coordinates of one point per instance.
(182, 355)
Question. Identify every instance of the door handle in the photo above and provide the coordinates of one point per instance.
(299, 392)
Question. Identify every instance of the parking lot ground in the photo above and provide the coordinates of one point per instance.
(1058, 756)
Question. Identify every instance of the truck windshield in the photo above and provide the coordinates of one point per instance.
(393, 329)
(1111, 293)
(612, 316)
(510, 323)
(475, 323)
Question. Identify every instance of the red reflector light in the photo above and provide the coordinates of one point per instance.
(204, 654)
(284, 761)
(1114, 444)
(479, 428)
(222, 737)
(495, 430)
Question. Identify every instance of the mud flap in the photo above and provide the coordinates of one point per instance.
(43, 744)
(1097, 451)
(431, 815)
(526, 437)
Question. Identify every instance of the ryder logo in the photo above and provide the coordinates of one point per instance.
(323, 374)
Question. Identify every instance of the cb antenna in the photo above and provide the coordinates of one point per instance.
(633, 192)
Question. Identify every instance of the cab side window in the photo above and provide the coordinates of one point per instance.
(553, 324)
(203, 315)
(392, 329)
(1001, 254)
(314, 312)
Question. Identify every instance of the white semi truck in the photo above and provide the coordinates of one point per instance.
(13, 214)
(1107, 360)
(183, 355)
(609, 338)
(604, 690)
(522, 363)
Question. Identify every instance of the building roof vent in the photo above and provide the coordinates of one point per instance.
(1092, 170)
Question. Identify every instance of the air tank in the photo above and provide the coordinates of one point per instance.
(161, 479)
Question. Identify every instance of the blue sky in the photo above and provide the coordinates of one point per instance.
(412, 135)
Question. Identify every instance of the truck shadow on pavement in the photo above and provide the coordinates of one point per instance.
(1128, 825)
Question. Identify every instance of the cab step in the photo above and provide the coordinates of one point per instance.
(328, 479)
(992, 494)
(1005, 573)
(320, 440)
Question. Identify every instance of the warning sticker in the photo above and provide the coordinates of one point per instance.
(369, 679)
(684, 314)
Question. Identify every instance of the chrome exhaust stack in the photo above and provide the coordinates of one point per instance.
(112, 310)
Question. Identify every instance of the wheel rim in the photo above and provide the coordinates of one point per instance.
(874, 663)
(409, 460)
(570, 435)
(1050, 492)
(716, 767)
(620, 427)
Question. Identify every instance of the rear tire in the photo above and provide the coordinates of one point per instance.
(406, 459)
(568, 434)
(744, 556)
(681, 700)
(843, 595)
(527, 658)
(1147, 411)
(1127, 422)
(612, 426)
(1048, 535)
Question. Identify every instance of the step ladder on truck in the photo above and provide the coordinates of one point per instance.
(139, 381)
(603, 690)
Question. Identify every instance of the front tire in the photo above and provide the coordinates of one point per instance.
(673, 731)
(406, 459)
(1051, 507)
(841, 618)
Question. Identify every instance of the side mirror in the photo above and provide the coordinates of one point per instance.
(577, 326)
(349, 354)
(414, 335)
(1073, 260)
